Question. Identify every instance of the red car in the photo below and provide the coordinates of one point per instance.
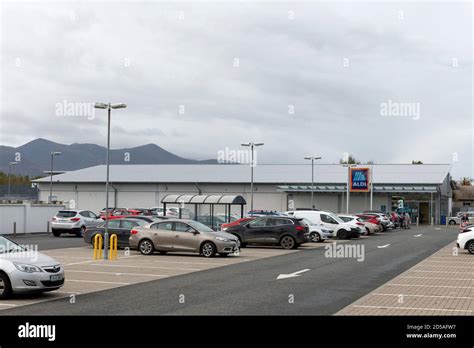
(122, 214)
(370, 218)
(236, 222)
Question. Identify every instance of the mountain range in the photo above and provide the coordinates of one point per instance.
(35, 156)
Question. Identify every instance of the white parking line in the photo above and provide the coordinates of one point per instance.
(415, 308)
(95, 281)
(450, 272)
(151, 267)
(89, 261)
(433, 296)
(120, 273)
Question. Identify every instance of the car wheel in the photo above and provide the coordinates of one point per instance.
(5, 286)
(146, 247)
(242, 245)
(288, 242)
(315, 237)
(82, 232)
(208, 249)
(470, 247)
(56, 233)
(343, 234)
(368, 231)
(452, 222)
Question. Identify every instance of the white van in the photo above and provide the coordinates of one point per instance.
(329, 220)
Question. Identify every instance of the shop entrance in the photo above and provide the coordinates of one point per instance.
(424, 214)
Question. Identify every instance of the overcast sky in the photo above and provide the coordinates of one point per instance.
(305, 78)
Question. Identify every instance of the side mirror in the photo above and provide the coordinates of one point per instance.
(247, 226)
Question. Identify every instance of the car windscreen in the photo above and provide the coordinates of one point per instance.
(66, 213)
(337, 218)
(199, 226)
(8, 246)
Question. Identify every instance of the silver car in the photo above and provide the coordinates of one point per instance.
(175, 235)
(23, 270)
(318, 233)
(74, 221)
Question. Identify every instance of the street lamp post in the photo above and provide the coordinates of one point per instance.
(349, 166)
(312, 158)
(252, 145)
(107, 106)
(10, 165)
(53, 153)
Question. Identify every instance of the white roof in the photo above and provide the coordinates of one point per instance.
(263, 173)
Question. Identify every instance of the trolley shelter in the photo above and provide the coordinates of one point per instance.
(200, 200)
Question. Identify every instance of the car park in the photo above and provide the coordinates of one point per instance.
(121, 227)
(175, 235)
(465, 239)
(329, 220)
(24, 271)
(288, 232)
(318, 233)
(73, 221)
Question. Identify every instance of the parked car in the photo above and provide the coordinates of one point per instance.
(120, 214)
(142, 211)
(260, 212)
(235, 222)
(217, 221)
(354, 222)
(288, 232)
(185, 213)
(329, 220)
(73, 221)
(22, 270)
(175, 235)
(466, 239)
(317, 233)
(384, 220)
(120, 227)
(456, 220)
(371, 223)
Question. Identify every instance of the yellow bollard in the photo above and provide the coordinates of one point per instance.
(97, 247)
(113, 247)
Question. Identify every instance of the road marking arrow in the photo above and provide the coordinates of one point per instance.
(291, 275)
(418, 235)
(383, 246)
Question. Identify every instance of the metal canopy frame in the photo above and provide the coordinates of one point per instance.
(211, 200)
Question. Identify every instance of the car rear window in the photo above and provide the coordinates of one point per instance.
(66, 213)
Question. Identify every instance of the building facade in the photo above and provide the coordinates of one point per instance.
(424, 189)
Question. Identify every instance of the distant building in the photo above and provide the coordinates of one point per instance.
(424, 188)
(463, 198)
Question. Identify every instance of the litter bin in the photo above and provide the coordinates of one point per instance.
(443, 219)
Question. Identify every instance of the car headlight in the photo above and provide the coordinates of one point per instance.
(223, 239)
(27, 268)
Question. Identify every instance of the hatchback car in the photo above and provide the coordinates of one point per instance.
(288, 232)
(177, 235)
(73, 221)
(23, 270)
(318, 233)
(120, 227)
(466, 239)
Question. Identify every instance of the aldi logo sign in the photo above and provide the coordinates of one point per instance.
(359, 179)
